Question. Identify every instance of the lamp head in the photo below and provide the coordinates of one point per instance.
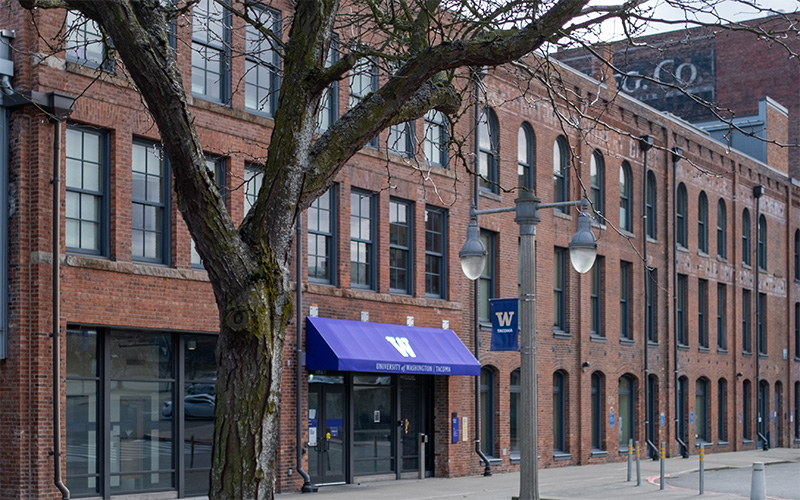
(473, 253)
(583, 247)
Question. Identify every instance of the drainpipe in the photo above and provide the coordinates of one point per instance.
(758, 191)
(645, 143)
(301, 361)
(677, 154)
(6, 72)
(487, 471)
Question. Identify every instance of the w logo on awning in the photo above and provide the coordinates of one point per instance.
(402, 346)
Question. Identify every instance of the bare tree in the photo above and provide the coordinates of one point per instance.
(425, 46)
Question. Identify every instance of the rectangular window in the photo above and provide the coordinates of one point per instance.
(84, 42)
(210, 39)
(681, 311)
(321, 238)
(329, 103)
(435, 252)
(362, 240)
(747, 345)
(560, 289)
(83, 404)
(253, 178)
(797, 330)
(722, 411)
(652, 305)
(624, 300)
(216, 167)
(150, 202)
(262, 62)
(436, 138)
(722, 328)
(363, 81)
(702, 313)
(86, 184)
(595, 300)
(401, 242)
(401, 139)
(762, 324)
(487, 280)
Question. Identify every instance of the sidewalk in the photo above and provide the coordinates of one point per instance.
(590, 482)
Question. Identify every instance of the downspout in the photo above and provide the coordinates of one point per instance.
(645, 143)
(677, 154)
(57, 310)
(758, 191)
(487, 471)
(301, 361)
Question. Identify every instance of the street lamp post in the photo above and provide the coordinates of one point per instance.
(583, 250)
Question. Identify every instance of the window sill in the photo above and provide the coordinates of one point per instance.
(652, 343)
(652, 240)
(747, 441)
(682, 248)
(560, 334)
(488, 194)
(703, 254)
(597, 338)
(683, 347)
(599, 453)
(627, 234)
(747, 354)
(562, 215)
(722, 258)
(626, 342)
(721, 350)
(514, 459)
(559, 457)
(722, 443)
(796, 359)
(747, 266)
(702, 349)
(598, 225)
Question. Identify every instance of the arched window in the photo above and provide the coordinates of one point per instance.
(746, 237)
(597, 411)
(596, 176)
(560, 179)
(627, 413)
(625, 198)
(762, 242)
(701, 410)
(487, 411)
(702, 223)
(526, 156)
(747, 402)
(680, 216)
(514, 414)
(722, 410)
(650, 205)
(683, 411)
(796, 410)
(722, 239)
(487, 150)
(559, 412)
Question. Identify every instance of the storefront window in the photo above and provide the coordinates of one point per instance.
(373, 446)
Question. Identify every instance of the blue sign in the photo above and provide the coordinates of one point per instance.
(612, 420)
(662, 420)
(455, 428)
(691, 417)
(505, 329)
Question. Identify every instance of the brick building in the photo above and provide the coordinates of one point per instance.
(137, 318)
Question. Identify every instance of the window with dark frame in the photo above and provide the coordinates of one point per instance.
(487, 151)
(796, 410)
(322, 238)
(797, 331)
(487, 279)
(747, 344)
(559, 412)
(681, 312)
(722, 410)
(746, 253)
(560, 177)
(400, 140)
(597, 411)
(362, 240)
(560, 289)
(722, 237)
(253, 178)
(401, 242)
(329, 103)
(651, 206)
(84, 43)
(747, 397)
(761, 328)
(595, 304)
(149, 199)
(436, 139)
(762, 243)
(86, 203)
(701, 410)
(597, 180)
(722, 326)
(797, 254)
(262, 62)
(487, 411)
(702, 313)
(363, 81)
(681, 208)
(526, 156)
(702, 223)
(625, 198)
(216, 167)
(435, 252)
(652, 301)
(624, 300)
(211, 26)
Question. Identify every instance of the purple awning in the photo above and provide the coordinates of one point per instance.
(357, 346)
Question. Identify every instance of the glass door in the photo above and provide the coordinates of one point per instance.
(327, 436)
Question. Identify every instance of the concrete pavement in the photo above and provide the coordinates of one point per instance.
(589, 482)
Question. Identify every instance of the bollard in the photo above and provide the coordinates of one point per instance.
(662, 466)
(422, 440)
(638, 468)
(758, 483)
(630, 457)
(702, 467)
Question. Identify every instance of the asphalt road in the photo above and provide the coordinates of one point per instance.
(783, 481)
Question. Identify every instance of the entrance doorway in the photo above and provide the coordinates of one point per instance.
(415, 419)
(327, 433)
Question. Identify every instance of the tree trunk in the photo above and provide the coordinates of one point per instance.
(249, 354)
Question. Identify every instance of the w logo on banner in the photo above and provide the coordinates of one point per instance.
(505, 332)
(504, 318)
(402, 346)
